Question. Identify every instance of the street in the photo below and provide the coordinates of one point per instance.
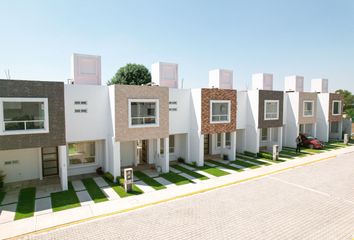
(310, 202)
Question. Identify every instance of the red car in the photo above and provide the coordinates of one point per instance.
(311, 142)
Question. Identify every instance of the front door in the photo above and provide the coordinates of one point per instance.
(50, 161)
(144, 152)
(206, 144)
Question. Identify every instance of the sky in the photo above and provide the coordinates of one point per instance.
(314, 39)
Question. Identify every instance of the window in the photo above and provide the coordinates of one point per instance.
(220, 111)
(171, 144)
(308, 108)
(336, 107)
(82, 153)
(275, 134)
(218, 140)
(228, 139)
(143, 113)
(24, 115)
(334, 127)
(264, 134)
(271, 109)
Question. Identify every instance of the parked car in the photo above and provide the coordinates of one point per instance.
(311, 142)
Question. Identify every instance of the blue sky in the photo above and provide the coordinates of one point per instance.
(309, 38)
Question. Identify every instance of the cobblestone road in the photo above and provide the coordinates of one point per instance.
(310, 202)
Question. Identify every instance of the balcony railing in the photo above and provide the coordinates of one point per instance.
(23, 125)
(220, 117)
(143, 120)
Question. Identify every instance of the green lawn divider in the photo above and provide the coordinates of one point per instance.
(119, 189)
(2, 196)
(190, 172)
(175, 178)
(211, 170)
(26, 202)
(225, 165)
(65, 199)
(245, 164)
(149, 180)
(94, 190)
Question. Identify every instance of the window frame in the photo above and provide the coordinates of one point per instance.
(303, 108)
(79, 165)
(265, 109)
(22, 99)
(157, 111)
(266, 140)
(228, 109)
(337, 123)
(218, 143)
(227, 145)
(339, 107)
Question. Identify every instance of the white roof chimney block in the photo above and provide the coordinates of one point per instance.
(165, 74)
(319, 85)
(294, 83)
(262, 81)
(221, 78)
(86, 69)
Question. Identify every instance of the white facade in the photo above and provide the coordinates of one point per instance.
(221, 78)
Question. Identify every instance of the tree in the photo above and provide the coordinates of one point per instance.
(348, 99)
(131, 74)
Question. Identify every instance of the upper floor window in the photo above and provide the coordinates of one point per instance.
(308, 108)
(220, 111)
(23, 115)
(336, 107)
(271, 109)
(143, 113)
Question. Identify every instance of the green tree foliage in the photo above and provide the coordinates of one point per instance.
(348, 99)
(131, 74)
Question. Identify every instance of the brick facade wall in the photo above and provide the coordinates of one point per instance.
(334, 118)
(217, 94)
(125, 92)
(54, 91)
(270, 95)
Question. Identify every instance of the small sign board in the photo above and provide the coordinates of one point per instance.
(275, 152)
(128, 179)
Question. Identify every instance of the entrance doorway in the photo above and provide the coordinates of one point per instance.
(142, 151)
(50, 161)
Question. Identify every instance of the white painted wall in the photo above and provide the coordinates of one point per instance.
(251, 130)
(196, 138)
(24, 165)
(179, 120)
(180, 147)
(291, 117)
(322, 126)
(127, 153)
(241, 116)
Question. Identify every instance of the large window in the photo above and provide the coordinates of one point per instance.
(82, 153)
(334, 127)
(24, 115)
(220, 111)
(308, 108)
(271, 109)
(143, 113)
(336, 107)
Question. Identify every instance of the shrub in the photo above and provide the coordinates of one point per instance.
(180, 160)
(2, 177)
(265, 155)
(225, 157)
(250, 154)
(108, 176)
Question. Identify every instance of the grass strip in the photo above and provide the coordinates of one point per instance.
(190, 172)
(26, 201)
(65, 199)
(119, 189)
(225, 165)
(245, 164)
(242, 156)
(175, 178)
(2, 196)
(211, 170)
(149, 181)
(94, 190)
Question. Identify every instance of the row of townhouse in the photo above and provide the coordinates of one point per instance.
(57, 129)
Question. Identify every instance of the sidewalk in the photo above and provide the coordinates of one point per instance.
(52, 219)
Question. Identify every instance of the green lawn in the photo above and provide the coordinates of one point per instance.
(190, 172)
(65, 199)
(119, 189)
(225, 165)
(245, 157)
(149, 181)
(2, 196)
(211, 170)
(25, 205)
(175, 178)
(94, 190)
